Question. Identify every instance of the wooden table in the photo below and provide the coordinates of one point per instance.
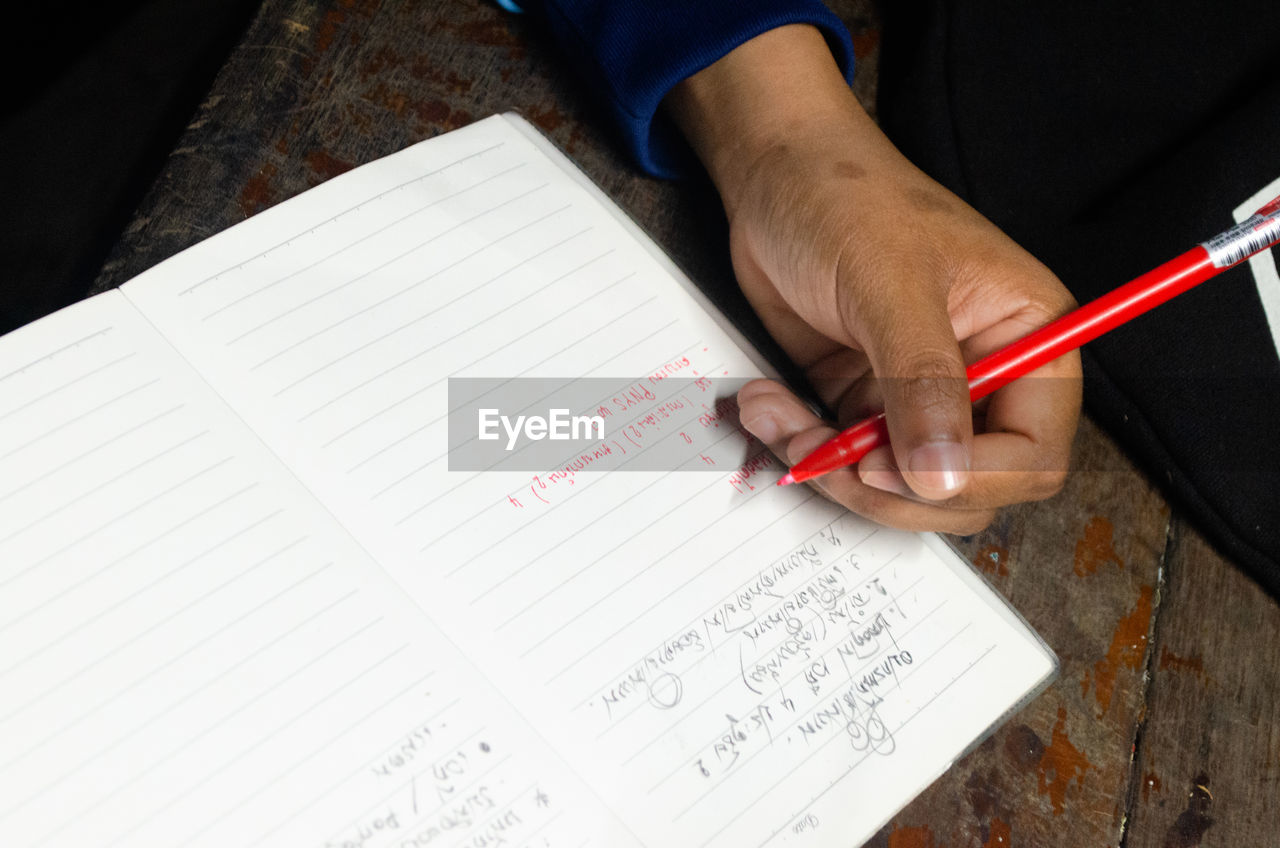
(1164, 728)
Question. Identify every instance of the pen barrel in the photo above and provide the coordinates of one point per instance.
(1090, 321)
(850, 447)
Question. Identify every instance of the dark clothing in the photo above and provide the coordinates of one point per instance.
(1107, 138)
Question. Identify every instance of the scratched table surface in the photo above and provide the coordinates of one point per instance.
(1163, 730)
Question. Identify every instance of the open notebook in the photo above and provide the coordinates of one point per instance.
(243, 601)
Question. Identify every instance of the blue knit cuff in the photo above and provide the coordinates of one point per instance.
(635, 51)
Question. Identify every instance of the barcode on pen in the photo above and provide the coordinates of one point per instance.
(1244, 239)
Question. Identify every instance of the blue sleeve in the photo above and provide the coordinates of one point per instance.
(634, 51)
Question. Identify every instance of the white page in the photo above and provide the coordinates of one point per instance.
(676, 635)
(192, 652)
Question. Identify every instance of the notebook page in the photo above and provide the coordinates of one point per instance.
(193, 653)
(724, 661)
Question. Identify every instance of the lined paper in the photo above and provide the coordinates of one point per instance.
(192, 652)
(723, 661)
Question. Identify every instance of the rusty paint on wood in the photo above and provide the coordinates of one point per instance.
(1096, 547)
(1193, 664)
(379, 61)
(434, 114)
(912, 837)
(1062, 762)
(999, 836)
(325, 165)
(258, 193)
(1128, 646)
(978, 790)
(547, 118)
(332, 21)
(1189, 827)
(493, 32)
(1024, 747)
(992, 560)
(446, 80)
(1150, 783)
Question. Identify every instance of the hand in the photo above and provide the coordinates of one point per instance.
(881, 285)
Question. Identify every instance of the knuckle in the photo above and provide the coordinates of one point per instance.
(930, 384)
(969, 523)
(1046, 484)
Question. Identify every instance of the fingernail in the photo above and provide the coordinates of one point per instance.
(764, 427)
(886, 479)
(941, 466)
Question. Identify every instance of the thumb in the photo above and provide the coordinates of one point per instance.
(909, 340)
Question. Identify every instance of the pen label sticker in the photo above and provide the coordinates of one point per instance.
(1249, 236)
(1263, 265)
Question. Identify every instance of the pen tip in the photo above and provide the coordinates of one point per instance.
(786, 479)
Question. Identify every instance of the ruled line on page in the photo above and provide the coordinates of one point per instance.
(414, 357)
(141, 590)
(398, 293)
(601, 643)
(57, 428)
(152, 672)
(328, 791)
(120, 787)
(721, 517)
(320, 748)
(364, 202)
(341, 250)
(54, 353)
(128, 431)
(173, 528)
(138, 466)
(338, 735)
(415, 393)
(715, 481)
(118, 517)
(87, 375)
(382, 449)
(321, 369)
(263, 738)
(414, 249)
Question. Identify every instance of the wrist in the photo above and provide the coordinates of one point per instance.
(779, 89)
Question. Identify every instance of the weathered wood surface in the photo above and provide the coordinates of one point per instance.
(1164, 728)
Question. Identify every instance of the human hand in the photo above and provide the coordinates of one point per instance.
(881, 285)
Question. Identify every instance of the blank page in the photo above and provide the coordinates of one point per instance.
(724, 661)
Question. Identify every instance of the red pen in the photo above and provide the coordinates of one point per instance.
(1205, 260)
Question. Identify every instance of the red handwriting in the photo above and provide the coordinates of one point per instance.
(751, 468)
(634, 395)
(669, 368)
